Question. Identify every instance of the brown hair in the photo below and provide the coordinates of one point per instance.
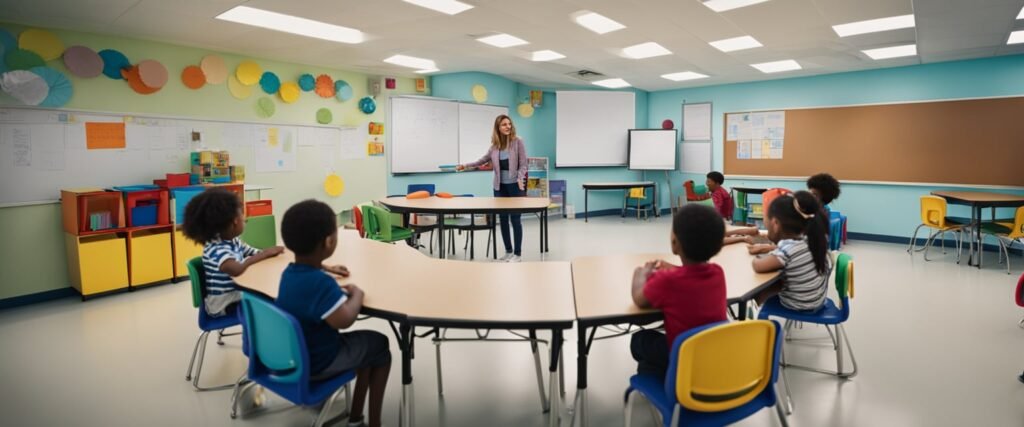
(498, 140)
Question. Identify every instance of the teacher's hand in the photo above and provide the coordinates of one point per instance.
(521, 186)
(460, 168)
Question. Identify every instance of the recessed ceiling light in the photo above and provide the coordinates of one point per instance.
(874, 25)
(645, 50)
(685, 75)
(612, 83)
(546, 55)
(598, 23)
(724, 5)
(1016, 37)
(291, 24)
(411, 62)
(1021, 14)
(450, 7)
(736, 43)
(432, 70)
(777, 66)
(891, 52)
(502, 40)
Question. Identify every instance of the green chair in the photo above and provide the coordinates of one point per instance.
(378, 225)
(260, 231)
(207, 324)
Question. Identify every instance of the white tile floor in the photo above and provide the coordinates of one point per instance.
(937, 343)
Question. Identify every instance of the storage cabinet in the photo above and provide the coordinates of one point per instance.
(97, 263)
(149, 255)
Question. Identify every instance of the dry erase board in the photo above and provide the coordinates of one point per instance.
(652, 149)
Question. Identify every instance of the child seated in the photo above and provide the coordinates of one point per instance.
(322, 307)
(215, 219)
(823, 186)
(690, 295)
(719, 195)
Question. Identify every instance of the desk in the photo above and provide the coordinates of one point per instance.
(471, 205)
(602, 288)
(588, 186)
(746, 205)
(405, 287)
(978, 201)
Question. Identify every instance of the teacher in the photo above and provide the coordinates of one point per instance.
(507, 157)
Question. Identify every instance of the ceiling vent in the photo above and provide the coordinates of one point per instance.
(586, 75)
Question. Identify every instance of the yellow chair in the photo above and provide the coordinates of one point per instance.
(1006, 233)
(640, 195)
(933, 215)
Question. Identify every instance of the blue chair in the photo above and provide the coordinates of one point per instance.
(207, 324)
(279, 359)
(836, 225)
(718, 374)
(412, 188)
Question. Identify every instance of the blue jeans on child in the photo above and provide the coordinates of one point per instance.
(511, 190)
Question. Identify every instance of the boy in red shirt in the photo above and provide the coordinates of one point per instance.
(690, 295)
(718, 194)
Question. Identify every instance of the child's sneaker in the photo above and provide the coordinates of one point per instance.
(515, 258)
(508, 256)
(360, 423)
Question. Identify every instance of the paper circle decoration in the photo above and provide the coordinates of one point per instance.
(324, 116)
(193, 77)
(24, 86)
(131, 74)
(214, 69)
(667, 124)
(334, 185)
(479, 93)
(367, 105)
(60, 87)
(270, 83)
(83, 62)
(525, 110)
(289, 92)
(265, 107)
(324, 86)
(21, 59)
(248, 73)
(237, 89)
(42, 42)
(153, 73)
(113, 63)
(342, 90)
(7, 41)
(307, 82)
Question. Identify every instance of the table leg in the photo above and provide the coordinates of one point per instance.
(586, 204)
(547, 232)
(657, 212)
(494, 232)
(472, 234)
(742, 315)
(440, 236)
(553, 393)
(406, 413)
(540, 376)
(583, 351)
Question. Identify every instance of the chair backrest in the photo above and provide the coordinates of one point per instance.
(1020, 291)
(933, 211)
(357, 217)
(277, 348)
(637, 193)
(844, 282)
(1017, 230)
(412, 188)
(198, 278)
(770, 195)
(370, 225)
(692, 191)
(260, 231)
(382, 223)
(723, 365)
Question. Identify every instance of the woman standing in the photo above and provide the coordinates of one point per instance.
(507, 157)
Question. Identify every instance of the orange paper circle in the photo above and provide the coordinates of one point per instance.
(324, 86)
(193, 77)
(289, 92)
(131, 74)
(214, 69)
(152, 73)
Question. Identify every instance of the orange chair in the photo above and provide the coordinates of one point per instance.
(770, 195)
(933, 215)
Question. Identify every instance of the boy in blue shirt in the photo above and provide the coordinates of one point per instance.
(322, 307)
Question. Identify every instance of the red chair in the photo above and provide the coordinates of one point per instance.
(1019, 297)
(357, 216)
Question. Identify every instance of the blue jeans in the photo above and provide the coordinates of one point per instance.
(511, 190)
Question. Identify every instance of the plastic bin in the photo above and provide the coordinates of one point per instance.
(144, 215)
(259, 208)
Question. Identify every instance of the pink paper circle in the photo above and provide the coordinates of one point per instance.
(153, 73)
(83, 61)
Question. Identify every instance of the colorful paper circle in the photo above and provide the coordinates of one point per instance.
(7, 41)
(21, 59)
(83, 62)
(152, 73)
(289, 92)
(479, 93)
(367, 105)
(131, 74)
(265, 107)
(25, 86)
(270, 83)
(248, 73)
(42, 42)
(324, 86)
(525, 110)
(324, 116)
(214, 69)
(342, 90)
(113, 63)
(307, 82)
(237, 89)
(60, 87)
(334, 185)
(193, 77)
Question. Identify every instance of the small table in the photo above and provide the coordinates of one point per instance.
(588, 186)
(978, 201)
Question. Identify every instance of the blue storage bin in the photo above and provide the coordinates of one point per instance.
(144, 215)
(130, 188)
(181, 196)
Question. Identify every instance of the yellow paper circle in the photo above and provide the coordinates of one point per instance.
(525, 110)
(214, 69)
(479, 93)
(248, 73)
(42, 42)
(333, 185)
(289, 92)
(237, 89)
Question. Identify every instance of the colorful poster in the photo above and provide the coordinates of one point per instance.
(104, 136)
(755, 149)
(775, 149)
(743, 149)
(275, 150)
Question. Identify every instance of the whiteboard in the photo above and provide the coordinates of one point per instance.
(424, 134)
(652, 149)
(695, 157)
(592, 127)
(697, 122)
(476, 124)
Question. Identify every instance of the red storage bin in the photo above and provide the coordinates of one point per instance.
(259, 208)
(178, 180)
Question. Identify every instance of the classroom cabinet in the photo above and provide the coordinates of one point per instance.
(184, 250)
(150, 259)
(97, 263)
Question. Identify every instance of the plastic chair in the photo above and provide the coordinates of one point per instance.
(279, 359)
(836, 227)
(377, 223)
(260, 231)
(693, 191)
(770, 195)
(357, 217)
(1006, 233)
(718, 374)
(640, 195)
(207, 324)
(933, 215)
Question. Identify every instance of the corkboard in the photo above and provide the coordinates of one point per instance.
(957, 142)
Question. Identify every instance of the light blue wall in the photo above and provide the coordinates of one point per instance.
(875, 209)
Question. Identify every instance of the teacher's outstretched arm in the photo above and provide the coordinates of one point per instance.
(482, 161)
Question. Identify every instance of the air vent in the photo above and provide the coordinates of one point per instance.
(586, 75)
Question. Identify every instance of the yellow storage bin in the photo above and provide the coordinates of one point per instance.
(184, 250)
(150, 256)
(97, 263)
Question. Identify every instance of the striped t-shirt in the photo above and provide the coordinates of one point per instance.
(220, 288)
(805, 287)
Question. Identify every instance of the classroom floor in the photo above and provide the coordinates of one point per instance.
(937, 345)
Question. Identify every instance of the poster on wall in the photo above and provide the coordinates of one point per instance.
(274, 149)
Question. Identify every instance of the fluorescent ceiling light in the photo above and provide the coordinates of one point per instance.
(291, 24)
(685, 75)
(777, 66)
(724, 5)
(502, 40)
(450, 7)
(736, 43)
(411, 62)
(598, 23)
(645, 50)
(1021, 14)
(546, 55)
(874, 25)
(1016, 37)
(891, 52)
(612, 83)
(432, 70)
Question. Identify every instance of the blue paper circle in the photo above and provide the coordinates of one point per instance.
(270, 83)
(113, 63)
(7, 41)
(307, 82)
(342, 90)
(60, 86)
(367, 105)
